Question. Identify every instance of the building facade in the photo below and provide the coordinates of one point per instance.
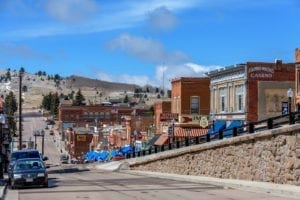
(297, 85)
(190, 96)
(250, 92)
(161, 108)
(190, 105)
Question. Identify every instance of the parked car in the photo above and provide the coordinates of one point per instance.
(28, 172)
(21, 154)
(51, 132)
(118, 157)
(50, 122)
(64, 159)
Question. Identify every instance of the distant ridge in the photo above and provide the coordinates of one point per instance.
(83, 82)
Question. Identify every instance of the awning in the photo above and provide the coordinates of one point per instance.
(235, 123)
(154, 139)
(190, 132)
(217, 126)
(162, 140)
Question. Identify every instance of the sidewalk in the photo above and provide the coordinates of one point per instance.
(3, 186)
(290, 191)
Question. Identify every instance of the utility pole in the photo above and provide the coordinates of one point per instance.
(1, 155)
(20, 110)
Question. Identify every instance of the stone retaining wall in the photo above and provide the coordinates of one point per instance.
(269, 156)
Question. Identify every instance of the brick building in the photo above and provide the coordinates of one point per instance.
(190, 105)
(190, 95)
(250, 92)
(79, 141)
(161, 107)
(127, 125)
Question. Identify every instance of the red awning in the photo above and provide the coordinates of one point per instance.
(162, 140)
(190, 132)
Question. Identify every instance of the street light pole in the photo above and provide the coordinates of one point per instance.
(20, 110)
(290, 94)
(43, 139)
(1, 155)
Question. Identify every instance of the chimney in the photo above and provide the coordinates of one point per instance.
(297, 55)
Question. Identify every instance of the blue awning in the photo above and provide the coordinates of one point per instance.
(235, 123)
(217, 126)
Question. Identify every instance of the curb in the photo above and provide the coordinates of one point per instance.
(290, 191)
(3, 186)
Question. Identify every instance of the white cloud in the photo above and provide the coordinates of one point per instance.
(165, 73)
(161, 19)
(146, 49)
(71, 10)
(112, 16)
(123, 78)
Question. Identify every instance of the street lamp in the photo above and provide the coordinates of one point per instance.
(189, 136)
(43, 139)
(20, 109)
(213, 121)
(2, 122)
(290, 94)
(173, 128)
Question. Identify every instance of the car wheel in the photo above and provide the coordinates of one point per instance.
(45, 185)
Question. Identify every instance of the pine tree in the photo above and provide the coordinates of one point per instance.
(54, 104)
(126, 99)
(79, 99)
(11, 107)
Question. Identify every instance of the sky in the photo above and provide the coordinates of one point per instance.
(145, 42)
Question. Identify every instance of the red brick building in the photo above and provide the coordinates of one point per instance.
(79, 141)
(267, 85)
(123, 122)
(190, 95)
(190, 105)
(161, 107)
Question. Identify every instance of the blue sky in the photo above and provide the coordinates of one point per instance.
(145, 42)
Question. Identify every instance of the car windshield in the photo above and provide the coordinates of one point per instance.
(29, 164)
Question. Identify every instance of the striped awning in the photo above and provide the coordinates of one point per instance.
(190, 132)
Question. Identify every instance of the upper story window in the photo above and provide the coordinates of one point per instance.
(298, 79)
(223, 92)
(239, 98)
(195, 104)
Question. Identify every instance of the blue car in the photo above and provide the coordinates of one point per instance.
(21, 154)
(28, 172)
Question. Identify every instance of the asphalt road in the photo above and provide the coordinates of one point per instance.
(71, 182)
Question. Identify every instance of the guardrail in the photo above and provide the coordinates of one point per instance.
(249, 128)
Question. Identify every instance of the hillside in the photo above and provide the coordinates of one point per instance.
(95, 91)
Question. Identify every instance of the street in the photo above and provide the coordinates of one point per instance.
(76, 181)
